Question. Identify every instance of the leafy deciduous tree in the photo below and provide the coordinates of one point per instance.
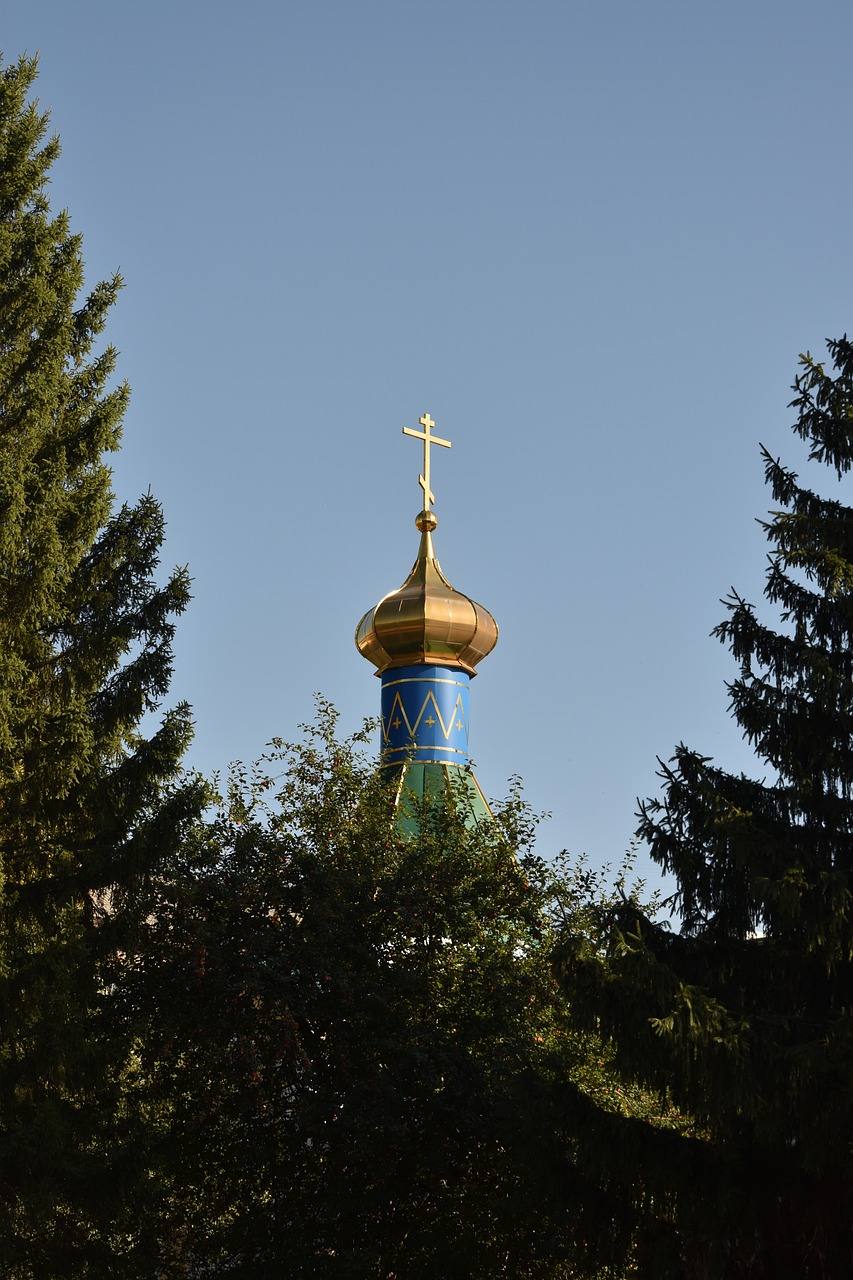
(356, 1053)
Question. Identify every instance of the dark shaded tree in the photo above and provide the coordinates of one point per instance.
(745, 1016)
(86, 811)
(356, 1054)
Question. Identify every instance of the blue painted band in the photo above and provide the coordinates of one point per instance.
(425, 714)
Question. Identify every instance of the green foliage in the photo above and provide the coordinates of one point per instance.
(281, 1040)
(84, 815)
(355, 1050)
(744, 1017)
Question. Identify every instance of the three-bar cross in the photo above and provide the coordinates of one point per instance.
(428, 439)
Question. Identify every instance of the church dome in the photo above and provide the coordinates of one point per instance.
(426, 622)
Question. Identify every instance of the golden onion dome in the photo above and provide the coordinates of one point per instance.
(427, 621)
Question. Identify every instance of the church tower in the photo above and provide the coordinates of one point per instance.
(426, 640)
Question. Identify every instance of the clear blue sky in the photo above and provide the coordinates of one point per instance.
(590, 239)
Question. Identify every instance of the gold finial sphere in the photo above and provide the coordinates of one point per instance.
(426, 521)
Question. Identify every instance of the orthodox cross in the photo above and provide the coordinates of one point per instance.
(428, 439)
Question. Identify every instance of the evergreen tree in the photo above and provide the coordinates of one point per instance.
(745, 1016)
(86, 810)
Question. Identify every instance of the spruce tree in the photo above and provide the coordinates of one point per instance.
(88, 809)
(744, 1015)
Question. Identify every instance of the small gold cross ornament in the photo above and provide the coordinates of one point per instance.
(428, 439)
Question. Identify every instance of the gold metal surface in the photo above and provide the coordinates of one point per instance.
(426, 622)
(392, 684)
(428, 439)
(426, 521)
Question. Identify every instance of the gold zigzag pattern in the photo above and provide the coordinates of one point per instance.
(457, 718)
